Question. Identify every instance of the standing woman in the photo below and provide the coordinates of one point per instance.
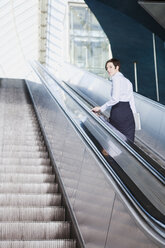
(122, 101)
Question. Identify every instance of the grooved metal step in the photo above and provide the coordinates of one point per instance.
(26, 178)
(23, 154)
(23, 147)
(22, 142)
(34, 230)
(24, 161)
(26, 165)
(30, 134)
(31, 188)
(26, 169)
(33, 127)
(31, 215)
(55, 213)
(39, 244)
(30, 200)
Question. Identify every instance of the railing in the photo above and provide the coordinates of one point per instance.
(97, 91)
(100, 138)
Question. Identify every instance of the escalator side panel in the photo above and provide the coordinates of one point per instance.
(95, 200)
(153, 122)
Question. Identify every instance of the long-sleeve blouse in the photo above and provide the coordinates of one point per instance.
(122, 91)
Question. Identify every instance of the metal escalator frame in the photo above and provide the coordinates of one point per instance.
(155, 224)
(155, 168)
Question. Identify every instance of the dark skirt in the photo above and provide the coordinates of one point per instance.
(122, 118)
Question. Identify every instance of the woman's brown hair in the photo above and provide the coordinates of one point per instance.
(115, 62)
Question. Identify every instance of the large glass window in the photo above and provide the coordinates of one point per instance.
(18, 37)
(89, 46)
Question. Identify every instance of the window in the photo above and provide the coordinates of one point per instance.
(89, 46)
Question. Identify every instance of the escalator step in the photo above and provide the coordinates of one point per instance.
(26, 178)
(28, 188)
(23, 154)
(39, 244)
(32, 214)
(30, 200)
(26, 169)
(24, 161)
(34, 230)
(23, 147)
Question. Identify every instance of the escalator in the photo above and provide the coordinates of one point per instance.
(32, 212)
(95, 91)
(153, 161)
(139, 185)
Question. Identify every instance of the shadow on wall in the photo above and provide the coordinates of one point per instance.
(132, 42)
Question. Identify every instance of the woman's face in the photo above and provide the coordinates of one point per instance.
(111, 69)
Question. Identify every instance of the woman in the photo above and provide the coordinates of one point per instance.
(122, 101)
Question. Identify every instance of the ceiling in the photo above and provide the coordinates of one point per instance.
(22, 36)
(18, 36)
(156, 9)
(150, 14)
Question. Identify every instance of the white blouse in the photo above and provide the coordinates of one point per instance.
(122, 91)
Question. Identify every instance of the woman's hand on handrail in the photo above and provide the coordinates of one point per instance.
(96, 109)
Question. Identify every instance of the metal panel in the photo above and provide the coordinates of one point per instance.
(92, 193)
(122, 223)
